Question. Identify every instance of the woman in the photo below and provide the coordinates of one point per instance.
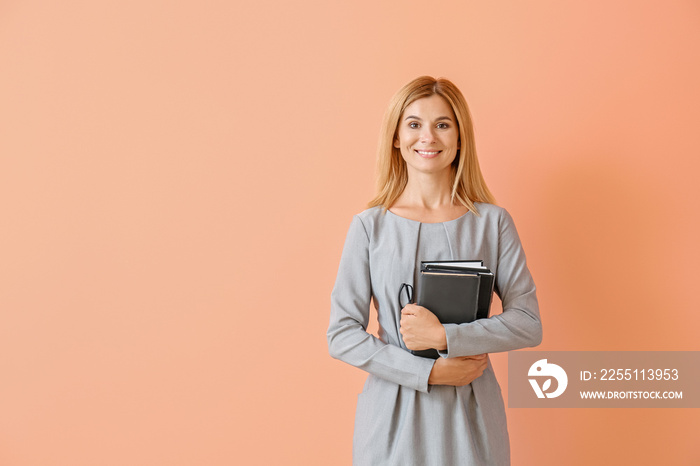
(433, 204)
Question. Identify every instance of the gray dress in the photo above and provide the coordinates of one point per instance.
(400, 419)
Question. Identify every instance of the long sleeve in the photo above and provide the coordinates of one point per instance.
(348, 339)
(519, 325)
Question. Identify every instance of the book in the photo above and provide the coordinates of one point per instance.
(486, 285)
(456, 292)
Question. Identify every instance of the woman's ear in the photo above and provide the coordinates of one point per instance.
(396, 143)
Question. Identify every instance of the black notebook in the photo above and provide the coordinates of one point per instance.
(486, 284)
(456, 292)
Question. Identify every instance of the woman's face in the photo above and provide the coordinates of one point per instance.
(427, 136)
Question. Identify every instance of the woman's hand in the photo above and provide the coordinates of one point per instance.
(421, 330)
(457, 371)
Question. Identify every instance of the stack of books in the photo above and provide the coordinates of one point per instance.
(457, 292)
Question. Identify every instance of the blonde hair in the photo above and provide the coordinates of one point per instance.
(468, 184)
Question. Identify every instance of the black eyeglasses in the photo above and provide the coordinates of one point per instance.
(408, 292)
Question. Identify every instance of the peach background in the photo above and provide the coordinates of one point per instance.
(177, 178)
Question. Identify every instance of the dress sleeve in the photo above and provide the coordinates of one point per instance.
(348, 339)
(519, 325)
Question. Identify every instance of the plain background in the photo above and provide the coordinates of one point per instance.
(177, 179)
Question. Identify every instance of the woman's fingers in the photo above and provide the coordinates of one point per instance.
(457, 371)
(477, 356)
(411, 310)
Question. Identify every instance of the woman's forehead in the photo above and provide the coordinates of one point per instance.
(433, 106)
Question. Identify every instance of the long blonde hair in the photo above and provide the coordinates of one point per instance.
(468, 185)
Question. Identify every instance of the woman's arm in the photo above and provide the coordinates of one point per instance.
(519, 325)
(458, 371)
(348, 339)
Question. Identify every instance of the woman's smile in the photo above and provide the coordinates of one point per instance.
(428, 154)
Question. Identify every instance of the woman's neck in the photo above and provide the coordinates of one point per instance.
(428, 198)
(428, 190)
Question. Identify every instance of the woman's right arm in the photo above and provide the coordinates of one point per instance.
(348, 339)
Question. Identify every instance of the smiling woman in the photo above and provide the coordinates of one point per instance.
(432, 205)
(443, 106)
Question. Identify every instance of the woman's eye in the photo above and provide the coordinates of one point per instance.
(413, 124)
(442, 126)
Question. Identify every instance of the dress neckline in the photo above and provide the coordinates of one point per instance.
(429, 223)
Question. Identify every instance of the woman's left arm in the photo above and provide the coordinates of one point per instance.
(519, 325)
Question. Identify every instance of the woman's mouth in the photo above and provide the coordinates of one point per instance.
(428, 154)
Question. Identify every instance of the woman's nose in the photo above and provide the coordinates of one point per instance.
(427, 136)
